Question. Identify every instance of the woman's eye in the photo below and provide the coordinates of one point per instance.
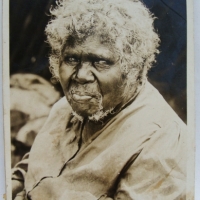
(71, 60)
(103, 64)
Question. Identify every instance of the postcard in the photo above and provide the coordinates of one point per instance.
(98, 99)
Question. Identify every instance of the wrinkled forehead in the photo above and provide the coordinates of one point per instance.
(95, 40)
(91, 46)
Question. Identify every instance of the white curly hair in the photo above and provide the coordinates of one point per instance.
(126, 25)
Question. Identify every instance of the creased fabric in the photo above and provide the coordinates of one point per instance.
(139, 154)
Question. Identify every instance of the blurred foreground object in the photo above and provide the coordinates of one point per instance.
(30, 103)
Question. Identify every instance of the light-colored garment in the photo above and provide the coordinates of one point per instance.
(138, 155)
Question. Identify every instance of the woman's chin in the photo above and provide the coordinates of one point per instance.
(85, 110)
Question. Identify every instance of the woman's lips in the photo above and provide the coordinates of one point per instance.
(79, 98)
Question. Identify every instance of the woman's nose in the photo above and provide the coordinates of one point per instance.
(83, 74)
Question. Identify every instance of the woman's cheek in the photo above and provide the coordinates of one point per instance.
(66, 73)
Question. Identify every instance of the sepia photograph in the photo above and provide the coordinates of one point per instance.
(98, 100)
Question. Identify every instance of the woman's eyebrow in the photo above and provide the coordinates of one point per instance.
(72, 52)
(92, 56)
(98, 56)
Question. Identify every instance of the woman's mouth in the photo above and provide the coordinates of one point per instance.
(85, 96)
(81, 98)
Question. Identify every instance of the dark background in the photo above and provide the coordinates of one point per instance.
(29, 51)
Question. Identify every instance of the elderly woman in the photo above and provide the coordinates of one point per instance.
(112, 136)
